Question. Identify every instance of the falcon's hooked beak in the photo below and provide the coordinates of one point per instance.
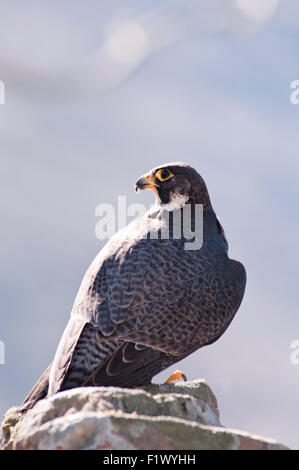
(146, 182)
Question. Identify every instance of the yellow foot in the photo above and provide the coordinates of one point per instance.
(177, 375)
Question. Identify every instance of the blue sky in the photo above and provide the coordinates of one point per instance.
(98, 93)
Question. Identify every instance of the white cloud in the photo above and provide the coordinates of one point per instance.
(128, 43)
(52, 61)
(258, 9)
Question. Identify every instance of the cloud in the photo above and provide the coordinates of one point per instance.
(51, 65)
(129, 43)
(259, 10)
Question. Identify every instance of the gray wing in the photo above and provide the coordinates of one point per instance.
(148, 306)
(166, 297)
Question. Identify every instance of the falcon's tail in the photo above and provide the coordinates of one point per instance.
(38, 392)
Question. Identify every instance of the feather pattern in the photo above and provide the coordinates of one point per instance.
(147, 302)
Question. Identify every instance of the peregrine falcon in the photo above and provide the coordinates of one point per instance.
(146, 302)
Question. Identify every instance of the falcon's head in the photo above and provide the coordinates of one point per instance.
(175, 180)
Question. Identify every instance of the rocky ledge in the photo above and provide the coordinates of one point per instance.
(179, 416)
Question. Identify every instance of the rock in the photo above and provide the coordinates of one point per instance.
(180, 416)
(198, 389)
(9, 426)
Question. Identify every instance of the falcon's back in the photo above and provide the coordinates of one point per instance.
(145, 303)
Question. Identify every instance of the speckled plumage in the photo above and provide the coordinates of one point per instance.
(145, 303)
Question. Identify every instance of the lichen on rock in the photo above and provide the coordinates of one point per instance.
(176, 416)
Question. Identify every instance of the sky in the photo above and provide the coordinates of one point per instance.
(96, 94)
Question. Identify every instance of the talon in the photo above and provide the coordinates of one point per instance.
(177, 375)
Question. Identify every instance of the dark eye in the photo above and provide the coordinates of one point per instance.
(164, 175)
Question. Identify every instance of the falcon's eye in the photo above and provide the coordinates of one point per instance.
(164, 175)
